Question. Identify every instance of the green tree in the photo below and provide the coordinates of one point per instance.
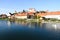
(24, 11)
(42, 11)
(37, 11)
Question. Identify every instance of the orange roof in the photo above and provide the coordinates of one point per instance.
(53, 13)
(39, 14)
(48, 13)
(30, 13)
(21, 14)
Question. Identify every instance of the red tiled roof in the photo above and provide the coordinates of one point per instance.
(48, 13)
(30, 13)
(53, 13)
(21, 14)
(39, 14)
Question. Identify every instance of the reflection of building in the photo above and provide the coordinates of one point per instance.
(21, 22)
(52, 26)
(8, 23)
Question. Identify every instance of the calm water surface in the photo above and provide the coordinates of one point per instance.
(29, 31)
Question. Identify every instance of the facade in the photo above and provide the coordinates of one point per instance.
(25, 15)
(53, 15)
(21, 16)
(50, 14)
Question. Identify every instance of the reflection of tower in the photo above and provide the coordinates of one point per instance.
(32, 10)
(8, 23)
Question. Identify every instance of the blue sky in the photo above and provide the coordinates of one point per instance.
(7, 6)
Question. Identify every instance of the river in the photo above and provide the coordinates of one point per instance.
(16, 30)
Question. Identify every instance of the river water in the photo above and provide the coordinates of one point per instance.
(16, 30)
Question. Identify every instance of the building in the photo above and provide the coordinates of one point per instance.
(50, 14)
(25, 15)
(21, 15)
(32, 12)
(3, 16)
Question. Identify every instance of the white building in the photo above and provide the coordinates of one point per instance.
(21, 17)
(52, 16)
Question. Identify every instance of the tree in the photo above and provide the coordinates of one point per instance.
(42, 11)
(24, 11)
(37, 11)
(14, 13)
(11, 13)
(34, 13)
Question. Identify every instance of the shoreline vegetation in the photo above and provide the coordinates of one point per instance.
(33, 20)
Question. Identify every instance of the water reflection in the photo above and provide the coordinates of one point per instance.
(49, 26)
(21, 22)
(20, 29)
(8, 23)
(28, 24)
(52, 26)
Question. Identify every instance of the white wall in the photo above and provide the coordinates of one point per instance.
(52, 16)
(21, 17)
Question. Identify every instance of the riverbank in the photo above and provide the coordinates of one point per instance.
(50, 22)
(4, 19)
(32, 20)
